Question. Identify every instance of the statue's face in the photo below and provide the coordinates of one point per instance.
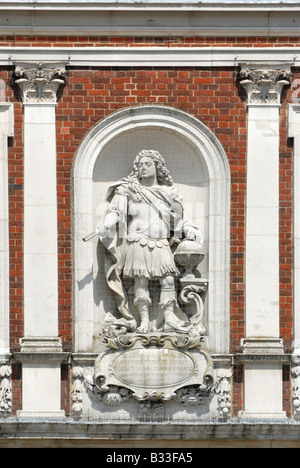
(146, 168)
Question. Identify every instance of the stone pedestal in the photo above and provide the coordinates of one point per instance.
(263, 392)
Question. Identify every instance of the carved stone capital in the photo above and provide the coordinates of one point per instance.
(264, 84)
(39, 82)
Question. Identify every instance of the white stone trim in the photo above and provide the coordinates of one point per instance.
(7, 119)
(41, 344)
(38, 84)
(262, 382)
(41, 381)
(294, 132)
(6, 130)
(219, 174)
(262, 222)
(151, 56)
(40, 221)
(250, 5)
(263, 85)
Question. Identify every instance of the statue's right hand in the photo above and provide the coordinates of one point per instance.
(102, 231)
(106, 226)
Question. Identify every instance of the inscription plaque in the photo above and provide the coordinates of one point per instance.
(153, 367)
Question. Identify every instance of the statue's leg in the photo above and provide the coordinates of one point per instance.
(142, 302)
(168, 300)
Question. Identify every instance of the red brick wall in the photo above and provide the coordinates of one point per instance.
(211, 95)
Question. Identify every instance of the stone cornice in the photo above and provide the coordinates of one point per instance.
(149, 18)
(191, 5)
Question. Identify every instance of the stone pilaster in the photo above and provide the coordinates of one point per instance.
(38, 84)
(263, 378)
(6, 130)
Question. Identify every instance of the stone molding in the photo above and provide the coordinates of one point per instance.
(149, 56)
(149, 18)
(294, 120)
(294, 132)
(39, 82)
(88, 434)
(7, 119)
(6, 130)
(264, 84)
(41, 344)
(262, 345)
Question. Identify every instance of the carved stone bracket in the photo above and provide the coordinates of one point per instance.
(264, 84)
(39, 82)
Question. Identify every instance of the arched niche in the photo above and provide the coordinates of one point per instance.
(200, 170)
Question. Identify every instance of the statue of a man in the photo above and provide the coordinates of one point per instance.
(144, 212)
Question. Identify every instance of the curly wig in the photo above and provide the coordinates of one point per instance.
(163, 174)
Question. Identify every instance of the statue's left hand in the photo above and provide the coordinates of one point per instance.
(193, 234)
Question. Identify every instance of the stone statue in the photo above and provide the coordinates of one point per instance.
(144, 217)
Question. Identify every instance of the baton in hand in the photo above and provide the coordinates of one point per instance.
(89, 236)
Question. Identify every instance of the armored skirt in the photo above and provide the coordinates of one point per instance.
(149, 258)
